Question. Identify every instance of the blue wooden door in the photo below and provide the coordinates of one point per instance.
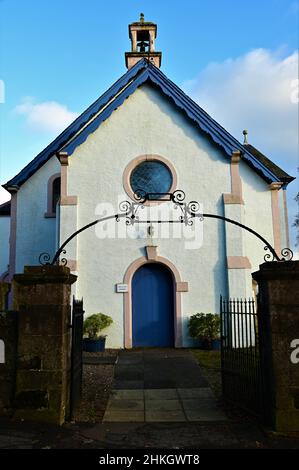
(153, 306)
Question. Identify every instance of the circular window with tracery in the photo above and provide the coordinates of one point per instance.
(154, 176)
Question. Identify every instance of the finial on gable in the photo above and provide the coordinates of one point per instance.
(141, 17)
(245, 133)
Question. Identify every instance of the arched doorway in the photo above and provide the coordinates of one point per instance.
(179, 288)
(153, 306)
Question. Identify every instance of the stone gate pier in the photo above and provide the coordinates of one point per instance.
(278, 312)
(41, 296)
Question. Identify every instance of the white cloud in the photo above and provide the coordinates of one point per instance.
(48, 116)
(259, 92)
(254, 92)
(4, 195)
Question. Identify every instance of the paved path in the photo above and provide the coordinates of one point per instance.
(208, 430)
(160, 385)
(157, 368)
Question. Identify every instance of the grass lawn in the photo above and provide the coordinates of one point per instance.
(208, 359)
(210, 363)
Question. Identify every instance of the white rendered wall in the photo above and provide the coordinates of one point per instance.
(35, 233)
(147, 123)
(4, 243)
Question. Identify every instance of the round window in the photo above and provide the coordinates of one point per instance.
(151, 177)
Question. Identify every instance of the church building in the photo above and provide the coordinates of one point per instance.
(145, 146)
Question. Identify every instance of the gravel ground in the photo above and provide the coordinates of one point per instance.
(97, 383)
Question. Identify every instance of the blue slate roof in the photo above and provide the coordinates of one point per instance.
(102, 108)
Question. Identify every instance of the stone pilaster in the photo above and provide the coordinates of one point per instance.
(42, 298)
(238, 265)
(278, 312)
(275, 187)
(68, 215)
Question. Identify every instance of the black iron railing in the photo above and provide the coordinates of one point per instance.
(76, 356)
(240, 355)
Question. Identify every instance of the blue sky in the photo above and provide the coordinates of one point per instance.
(59, 56)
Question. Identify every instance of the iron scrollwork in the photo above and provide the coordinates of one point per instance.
(129, 209)
(178, 197)
(286, 255)
(44, 259)
(188, 212)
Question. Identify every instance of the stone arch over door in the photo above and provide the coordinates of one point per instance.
(179, 288)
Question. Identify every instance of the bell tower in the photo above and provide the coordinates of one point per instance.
(142, 34)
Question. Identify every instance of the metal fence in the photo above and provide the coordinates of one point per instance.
(240, 355)
(76, 355)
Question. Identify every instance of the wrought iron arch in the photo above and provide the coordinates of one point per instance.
(188, 212)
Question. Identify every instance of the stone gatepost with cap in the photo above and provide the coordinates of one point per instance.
(42, 298)
(278, 312)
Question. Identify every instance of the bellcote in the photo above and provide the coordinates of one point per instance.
(142, 35)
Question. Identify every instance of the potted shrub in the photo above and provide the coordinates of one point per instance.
(206, 328)
(93, 340)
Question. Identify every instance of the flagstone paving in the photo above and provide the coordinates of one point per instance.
(160, 385)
